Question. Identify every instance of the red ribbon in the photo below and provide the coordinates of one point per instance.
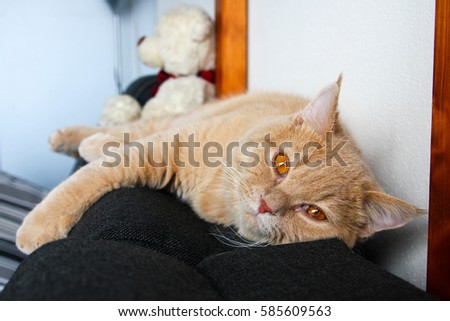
(162, 76)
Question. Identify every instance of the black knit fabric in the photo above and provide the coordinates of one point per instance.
(141, 88)
(142, 244)
(153, 219)
(321, 270)
(105, 270)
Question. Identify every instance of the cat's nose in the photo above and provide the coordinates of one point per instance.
(264, 207)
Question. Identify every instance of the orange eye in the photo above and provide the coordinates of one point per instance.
(281, 164)
(315, 212)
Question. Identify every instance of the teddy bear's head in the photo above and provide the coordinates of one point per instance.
(183, 43)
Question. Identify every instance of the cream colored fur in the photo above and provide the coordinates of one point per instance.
(183, 44)
(231, 194)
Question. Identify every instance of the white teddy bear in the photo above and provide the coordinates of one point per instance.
(183, 46)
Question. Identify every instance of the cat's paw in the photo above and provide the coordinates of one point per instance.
(38, 229)
(65, 141)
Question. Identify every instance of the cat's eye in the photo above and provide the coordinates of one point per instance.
(314, 212)
(281, 164)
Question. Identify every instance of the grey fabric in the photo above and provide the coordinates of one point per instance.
(19, 192)
(17, 198)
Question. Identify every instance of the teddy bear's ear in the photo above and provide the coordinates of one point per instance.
(148, 52)
(202, 28)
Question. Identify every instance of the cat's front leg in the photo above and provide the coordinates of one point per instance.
(63, 207)
(43, 225)
(130, 165)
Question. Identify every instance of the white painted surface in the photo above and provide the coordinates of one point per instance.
(385, 50)
(137, 18)
(164, 5)
(55, 70)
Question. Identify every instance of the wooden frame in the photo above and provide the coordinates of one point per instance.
(231, 47)
(438, 274)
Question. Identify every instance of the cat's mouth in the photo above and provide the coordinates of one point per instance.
(251, 231)
(259, 225)
(255, 223)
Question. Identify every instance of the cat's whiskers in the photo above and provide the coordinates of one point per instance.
(244, 243)
(226, 188)
(236, 176)
(269, 225)
(237, 234)
(224, 163)
(233, 171)
(266, 226)
(237, 180)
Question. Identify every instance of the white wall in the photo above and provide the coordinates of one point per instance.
(137, 18)
(385, 50)
(164, 5)
(55, 70)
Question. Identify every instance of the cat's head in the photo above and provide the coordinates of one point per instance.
(316, 186)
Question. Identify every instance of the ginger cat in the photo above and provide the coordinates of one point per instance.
(279, 168)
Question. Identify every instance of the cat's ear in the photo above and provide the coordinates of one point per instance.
(387, 212)
(321, 112)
